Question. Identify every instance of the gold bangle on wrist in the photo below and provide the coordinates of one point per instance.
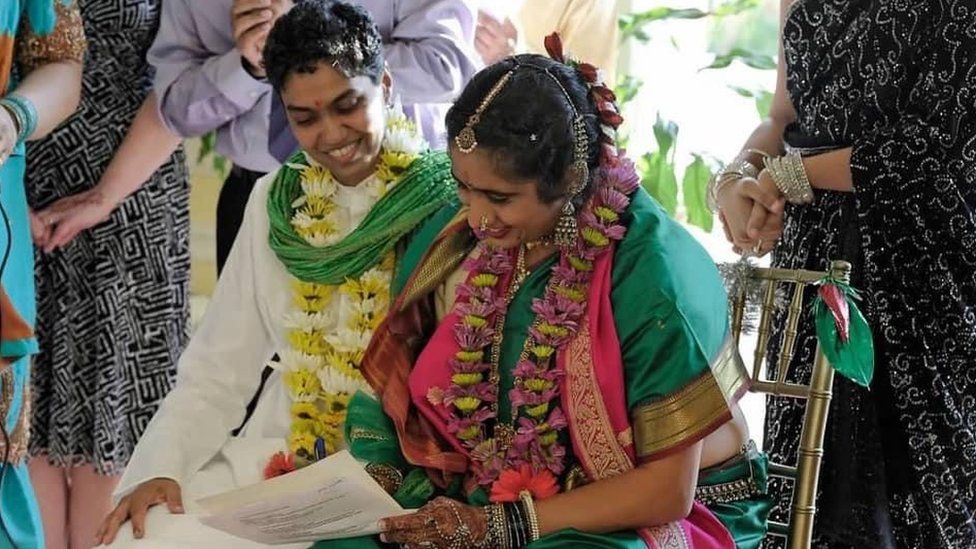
(529, 505)
(497, 531)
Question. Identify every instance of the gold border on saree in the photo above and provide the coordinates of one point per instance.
(689, 412)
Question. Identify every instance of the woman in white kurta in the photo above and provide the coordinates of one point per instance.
(306, 283)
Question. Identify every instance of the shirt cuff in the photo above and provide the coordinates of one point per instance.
(235, 83)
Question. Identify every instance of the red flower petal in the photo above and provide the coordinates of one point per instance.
(588, 71)
(279, 464)
(554, 47)
(511, 483)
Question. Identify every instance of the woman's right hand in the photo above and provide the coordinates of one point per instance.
(135, 505)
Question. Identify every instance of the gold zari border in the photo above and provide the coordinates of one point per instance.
(18, 438)
(448, 252)
(688, 413)
(598, 446)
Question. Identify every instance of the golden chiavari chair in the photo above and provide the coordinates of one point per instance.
(817, 393)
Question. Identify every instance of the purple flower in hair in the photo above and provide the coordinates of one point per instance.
(613, 199)
(623, 176)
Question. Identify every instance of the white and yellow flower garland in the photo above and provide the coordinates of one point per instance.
(321, 369)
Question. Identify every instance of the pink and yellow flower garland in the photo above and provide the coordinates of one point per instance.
(472, 397)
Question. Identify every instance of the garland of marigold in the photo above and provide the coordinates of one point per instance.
(321, 369)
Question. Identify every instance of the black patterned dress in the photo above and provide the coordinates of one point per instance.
(895, 80)
(113, 311)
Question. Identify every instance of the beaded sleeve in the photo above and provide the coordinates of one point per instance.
(65, 43)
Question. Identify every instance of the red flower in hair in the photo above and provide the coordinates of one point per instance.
(589, 72)
(611, 118)
(554, 47)
(605, 93)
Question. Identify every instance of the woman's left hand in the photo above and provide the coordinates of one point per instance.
(441, 523)
(70, 215)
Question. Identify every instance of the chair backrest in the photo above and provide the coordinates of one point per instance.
(817, 393)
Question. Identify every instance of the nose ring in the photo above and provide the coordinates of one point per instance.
(483, 226)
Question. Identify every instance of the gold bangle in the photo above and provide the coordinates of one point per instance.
(529, 504)
(497, 532)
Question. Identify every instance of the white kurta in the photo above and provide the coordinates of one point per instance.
(189, 439)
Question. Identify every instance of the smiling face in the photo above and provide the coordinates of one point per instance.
(338, 121)
(511, 208)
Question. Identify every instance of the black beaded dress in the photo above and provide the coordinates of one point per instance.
(896, 81)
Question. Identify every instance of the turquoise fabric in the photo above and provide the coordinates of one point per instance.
(40, 14)
(41, 18)
(21, 516)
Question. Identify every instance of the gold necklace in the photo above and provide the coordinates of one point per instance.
(540, 243)
(521, 273)
(504, 433)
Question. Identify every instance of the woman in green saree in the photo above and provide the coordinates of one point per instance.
(556, 369)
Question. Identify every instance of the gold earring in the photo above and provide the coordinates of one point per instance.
(566, 227)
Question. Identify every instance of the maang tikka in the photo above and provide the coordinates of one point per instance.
(578, 174)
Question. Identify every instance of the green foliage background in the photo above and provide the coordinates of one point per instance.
(739, 31)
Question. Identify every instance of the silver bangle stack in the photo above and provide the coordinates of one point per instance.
(737, 169)
(790, 177)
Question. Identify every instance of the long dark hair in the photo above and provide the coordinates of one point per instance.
(528, 126)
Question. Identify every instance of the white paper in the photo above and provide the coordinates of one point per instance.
(330, 499)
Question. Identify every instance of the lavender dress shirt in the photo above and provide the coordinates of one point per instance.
(202, 85)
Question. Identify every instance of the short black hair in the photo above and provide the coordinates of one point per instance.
(528, 126)
(329, 31)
